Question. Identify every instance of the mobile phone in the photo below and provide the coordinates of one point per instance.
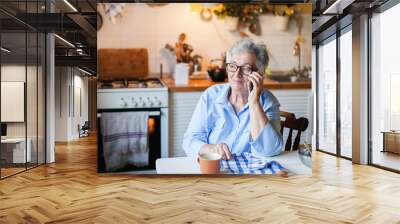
(250, 86)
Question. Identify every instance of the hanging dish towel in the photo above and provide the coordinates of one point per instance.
(125, 139)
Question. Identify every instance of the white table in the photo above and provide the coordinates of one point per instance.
(18, 145)
(189, 165)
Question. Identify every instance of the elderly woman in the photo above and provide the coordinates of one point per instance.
(239, 116)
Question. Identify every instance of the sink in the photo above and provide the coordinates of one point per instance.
(280, 78)
(287, 78)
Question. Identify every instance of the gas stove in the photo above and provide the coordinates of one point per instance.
(132, 93)
(153, 83)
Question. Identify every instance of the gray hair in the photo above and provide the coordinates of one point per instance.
(248, 46)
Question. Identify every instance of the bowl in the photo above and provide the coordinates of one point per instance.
(305, 156)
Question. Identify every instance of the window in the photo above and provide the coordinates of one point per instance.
(385, 89)
(346, 93)
(334, 85)
(327, 96)
(22, 66)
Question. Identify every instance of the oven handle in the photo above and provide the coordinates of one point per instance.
(151, 113)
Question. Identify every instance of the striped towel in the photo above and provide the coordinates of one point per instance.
(125, 139)
(247, 163)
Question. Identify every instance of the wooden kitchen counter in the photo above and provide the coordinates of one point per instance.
(202, 84)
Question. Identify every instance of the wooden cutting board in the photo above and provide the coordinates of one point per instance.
(123, 63)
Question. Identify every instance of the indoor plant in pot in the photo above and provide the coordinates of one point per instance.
(282, 16)
(185, 61)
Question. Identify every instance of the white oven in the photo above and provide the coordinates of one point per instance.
(152, 100)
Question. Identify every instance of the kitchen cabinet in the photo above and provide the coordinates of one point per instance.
(181, 108)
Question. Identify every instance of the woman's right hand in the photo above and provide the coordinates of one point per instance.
(220, 148)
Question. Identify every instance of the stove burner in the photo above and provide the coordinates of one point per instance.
(154, 83)
(104, 85)
(130, 83)
(136, 84)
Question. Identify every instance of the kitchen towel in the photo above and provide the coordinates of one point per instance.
(125, 139)
(247, 163)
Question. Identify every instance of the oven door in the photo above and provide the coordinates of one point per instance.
(153, 136)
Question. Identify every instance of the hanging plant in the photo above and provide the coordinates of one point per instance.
(282, 16)
(248, 14)
(283, 10)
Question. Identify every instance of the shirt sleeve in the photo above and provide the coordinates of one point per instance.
(269, 141)
(196, 134)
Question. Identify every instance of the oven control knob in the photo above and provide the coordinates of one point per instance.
(143, 104)
(123, 102)
(157, 101)
(134, 103)
(149, 101)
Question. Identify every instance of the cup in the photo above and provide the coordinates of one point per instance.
(209, 163)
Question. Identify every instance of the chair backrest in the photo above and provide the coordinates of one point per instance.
(86, 125)
(289, 121)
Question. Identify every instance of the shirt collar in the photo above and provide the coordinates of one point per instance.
(223, 97)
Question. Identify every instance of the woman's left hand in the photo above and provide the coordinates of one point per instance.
(257, 80)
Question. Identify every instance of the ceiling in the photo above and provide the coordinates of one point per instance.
(77, 27)
(331, 15)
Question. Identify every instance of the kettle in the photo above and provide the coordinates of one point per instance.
(216, 72)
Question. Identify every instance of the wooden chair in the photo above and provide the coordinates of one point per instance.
(289, 121)
(84, 129)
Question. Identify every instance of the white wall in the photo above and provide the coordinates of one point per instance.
(14, 73)
(68, 83)
(62, 81)
(34, 125)
(79, 117)
(17, 73)
(142, 26)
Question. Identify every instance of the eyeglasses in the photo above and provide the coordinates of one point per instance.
(232, 67)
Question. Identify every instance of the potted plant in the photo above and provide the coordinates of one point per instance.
(230, 13)
(282, 16)
(241, 15)
(185, 61)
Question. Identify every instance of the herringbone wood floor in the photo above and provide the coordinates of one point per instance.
(70, 191)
